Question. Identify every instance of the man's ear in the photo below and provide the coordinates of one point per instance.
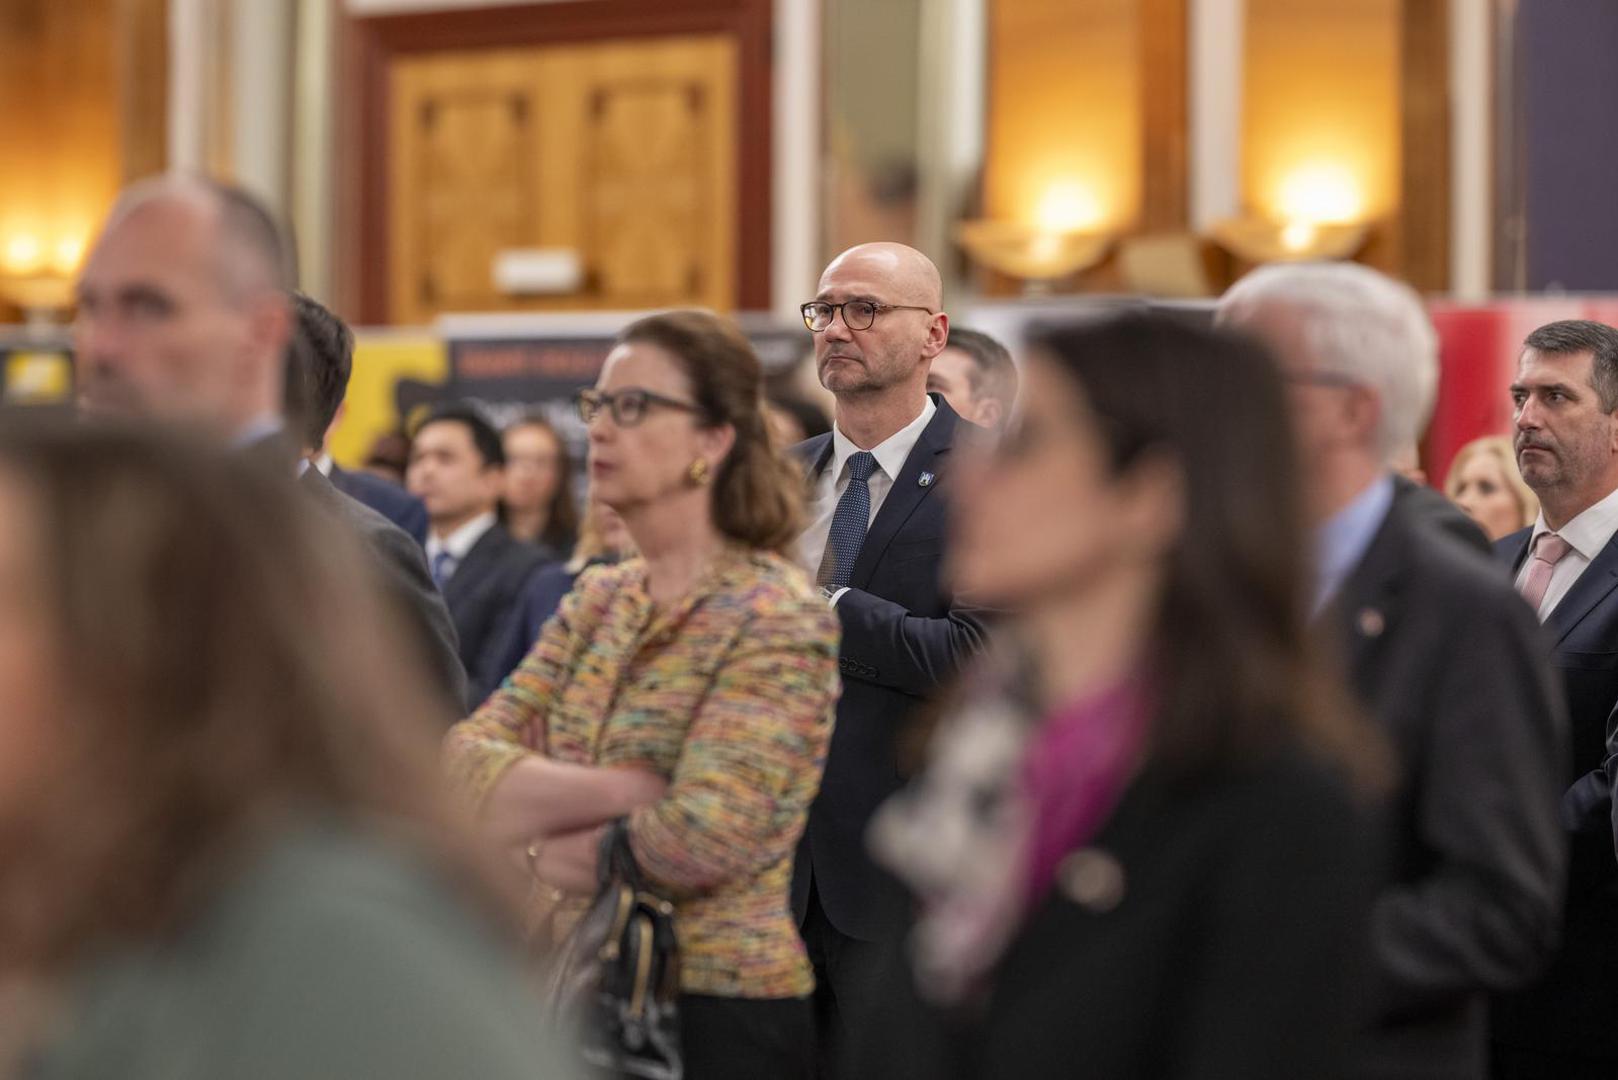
(937, 336)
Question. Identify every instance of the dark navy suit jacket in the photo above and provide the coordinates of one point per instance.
(390, 500)
(1572, 1009)
(904, 637)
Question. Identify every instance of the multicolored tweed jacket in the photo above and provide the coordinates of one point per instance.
(730, 694)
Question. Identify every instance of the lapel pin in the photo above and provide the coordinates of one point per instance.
(1372, 623)
(926, 479)
(1093, 879)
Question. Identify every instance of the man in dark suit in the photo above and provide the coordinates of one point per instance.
(1442, 653)
(458, 469)
(185, 316)
(879, 486)
(1566, 566)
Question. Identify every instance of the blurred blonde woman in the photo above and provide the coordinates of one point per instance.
(1484, 481)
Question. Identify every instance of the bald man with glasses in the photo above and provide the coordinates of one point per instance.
(879, 488)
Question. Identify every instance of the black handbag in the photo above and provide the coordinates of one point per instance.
(616, 979)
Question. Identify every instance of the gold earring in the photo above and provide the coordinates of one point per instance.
(698, 473)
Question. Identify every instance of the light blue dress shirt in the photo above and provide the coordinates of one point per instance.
(1342, 539)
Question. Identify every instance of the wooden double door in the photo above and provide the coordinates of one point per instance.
(622, 151)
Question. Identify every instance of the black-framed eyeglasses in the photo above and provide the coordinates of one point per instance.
(628, 407)
(857, 314)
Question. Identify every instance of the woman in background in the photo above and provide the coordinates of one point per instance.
(1484, 481)
(603, 541)
(1136, 850)
(221, 848)
(691, 689)
(539, 506)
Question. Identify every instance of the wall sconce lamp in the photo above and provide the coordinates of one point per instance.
(39, 280)
(1318, 214)
(1066, 237)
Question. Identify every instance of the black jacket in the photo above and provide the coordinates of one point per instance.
(403, 569)
(390, 500)
(904, 637)
(1434, 510)
(1572, 1009)
(1451, 663)
(1234, 949)
(483, 592)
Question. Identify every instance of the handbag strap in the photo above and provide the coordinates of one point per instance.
(615, 859)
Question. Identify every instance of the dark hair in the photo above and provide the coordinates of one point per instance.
(1234, 673)
(485, 436)
(1583, 335)
(757, 494)
(562, 516)
(810, 417)
(320, 359)
(244, 674)
(993, 372)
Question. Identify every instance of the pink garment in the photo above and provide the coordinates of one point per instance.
(1548, 551)
(1074, 770)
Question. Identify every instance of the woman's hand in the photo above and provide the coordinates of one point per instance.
(539, 797)
(568, 862)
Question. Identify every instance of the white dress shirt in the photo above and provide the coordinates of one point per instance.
(1587, 534)
(890, 455)
(459, 542)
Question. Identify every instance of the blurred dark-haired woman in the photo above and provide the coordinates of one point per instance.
(222, 849)
(1137, 848)
(538, 504)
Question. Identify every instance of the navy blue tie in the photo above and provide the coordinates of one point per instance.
(443, 566)
(848, 523)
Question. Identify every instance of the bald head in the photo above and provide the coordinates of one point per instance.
(183, 307)
(888, 325)
(910, 276)
(249, 246)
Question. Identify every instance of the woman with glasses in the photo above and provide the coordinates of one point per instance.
(690, 689)
(1136, 848)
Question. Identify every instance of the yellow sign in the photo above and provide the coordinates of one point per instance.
(370, 409)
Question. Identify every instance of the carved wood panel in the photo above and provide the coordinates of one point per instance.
(624, 152)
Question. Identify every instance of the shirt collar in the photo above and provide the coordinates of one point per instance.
(1342, 539)
(891, 453)
(462, 540)
(323, 462)
(1589, 531)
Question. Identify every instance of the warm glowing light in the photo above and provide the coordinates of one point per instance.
(22, 253)
(1322, 193)
(1298, 236)
(1069, 206)
(69, 251)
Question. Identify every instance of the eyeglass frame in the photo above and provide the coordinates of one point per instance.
(589, 404)
(834, 310)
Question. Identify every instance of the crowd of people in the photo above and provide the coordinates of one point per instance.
(1124, 710)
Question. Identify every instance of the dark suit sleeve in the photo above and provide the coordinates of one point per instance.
(1487, 912)
(883, 643)
(1285, 918)
(404, 567)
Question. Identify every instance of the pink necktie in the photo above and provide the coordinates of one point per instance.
(1548, 551)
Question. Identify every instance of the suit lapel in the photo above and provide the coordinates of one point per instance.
(1513, 549)
(482, 560)
(907, 492)
(1370, 599)
(1592, 587)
